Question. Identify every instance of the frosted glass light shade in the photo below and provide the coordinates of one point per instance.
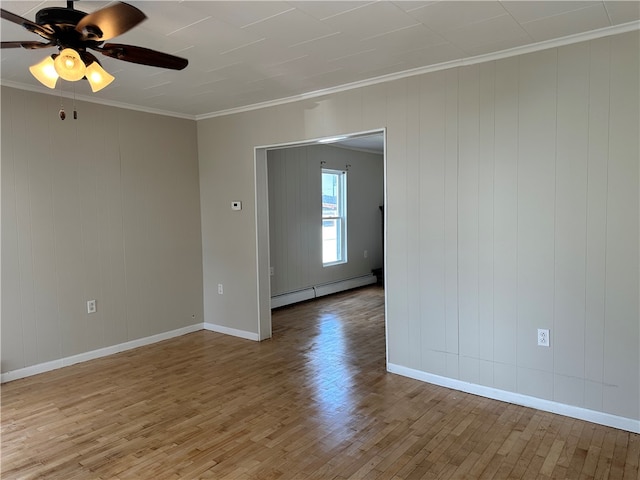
(98, 77)
(45, 72)
(69, 65)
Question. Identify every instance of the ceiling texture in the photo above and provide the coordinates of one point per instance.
(244, 54)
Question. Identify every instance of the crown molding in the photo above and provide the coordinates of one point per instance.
(99, 101)
(462, 62)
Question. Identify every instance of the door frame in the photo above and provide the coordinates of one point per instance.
(263, 283)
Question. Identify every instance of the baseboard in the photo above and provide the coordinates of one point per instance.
(335, 287)
(293, 297)
(232, 331)
(321, 290)
(101, 352)
(593, 416)
(122, 347)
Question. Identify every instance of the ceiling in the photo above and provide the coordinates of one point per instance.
(247, 53)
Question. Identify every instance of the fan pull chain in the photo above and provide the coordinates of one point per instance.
(61, 113)
(75, 112)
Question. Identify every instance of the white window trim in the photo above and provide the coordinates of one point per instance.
(342, 218)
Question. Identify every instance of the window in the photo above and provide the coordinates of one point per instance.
(334, 217)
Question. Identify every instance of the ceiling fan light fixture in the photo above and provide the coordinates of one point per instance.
(69, 65)
(73, 32)
(45, 72)
(98, 77)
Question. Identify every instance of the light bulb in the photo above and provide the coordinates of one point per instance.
(45, 72)
(69, 65)
(98, 77)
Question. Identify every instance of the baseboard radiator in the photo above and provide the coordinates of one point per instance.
(321, 290)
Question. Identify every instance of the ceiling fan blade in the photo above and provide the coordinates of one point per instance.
(143, 56)
(27, 45)
(42, 30)
(110, 21)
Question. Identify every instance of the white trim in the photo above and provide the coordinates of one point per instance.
(318, 140)
(385, 243)
(264, 299)
(122, 347)
(232, 331)
(101, 352)
(261, 219)
(99, 101)
(488, 57)
(511, 52)
(593, 416)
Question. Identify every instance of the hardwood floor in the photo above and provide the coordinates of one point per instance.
(314, 402)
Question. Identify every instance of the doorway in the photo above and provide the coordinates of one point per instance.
(369, 140)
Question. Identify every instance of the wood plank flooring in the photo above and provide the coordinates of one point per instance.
(314, 402)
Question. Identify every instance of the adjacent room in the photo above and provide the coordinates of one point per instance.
(318, 239)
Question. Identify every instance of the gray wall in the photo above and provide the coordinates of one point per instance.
(512, 202)
(295, 211)
(105, 207)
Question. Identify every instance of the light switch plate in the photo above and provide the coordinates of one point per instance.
(236, 205)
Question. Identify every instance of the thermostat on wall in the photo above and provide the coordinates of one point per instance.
(236, 205)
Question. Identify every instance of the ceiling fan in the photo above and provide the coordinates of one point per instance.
(73, 32)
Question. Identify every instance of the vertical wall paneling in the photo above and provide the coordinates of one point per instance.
(596, 222)
(572, 142)
(505, 333)
(398, 216)
(432, 218)
(621, 393)
(374, 107)
(536, 219)
(513, 204)
(295, 210)
(277, 194)
(486, 261)
(451, 222)
(413, 208)
(293, 170)
(468, 222)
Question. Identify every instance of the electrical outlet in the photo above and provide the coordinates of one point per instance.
(91, 306)
(220, 289)
(543, 337)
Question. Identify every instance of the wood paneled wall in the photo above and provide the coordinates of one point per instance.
(512, 190)
(295, 211)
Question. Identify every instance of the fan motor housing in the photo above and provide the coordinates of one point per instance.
(59, 16)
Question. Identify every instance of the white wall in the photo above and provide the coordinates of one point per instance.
(105, 207)
(512, 191)
(295, 211)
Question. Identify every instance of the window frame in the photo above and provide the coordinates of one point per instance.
(340, 217)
